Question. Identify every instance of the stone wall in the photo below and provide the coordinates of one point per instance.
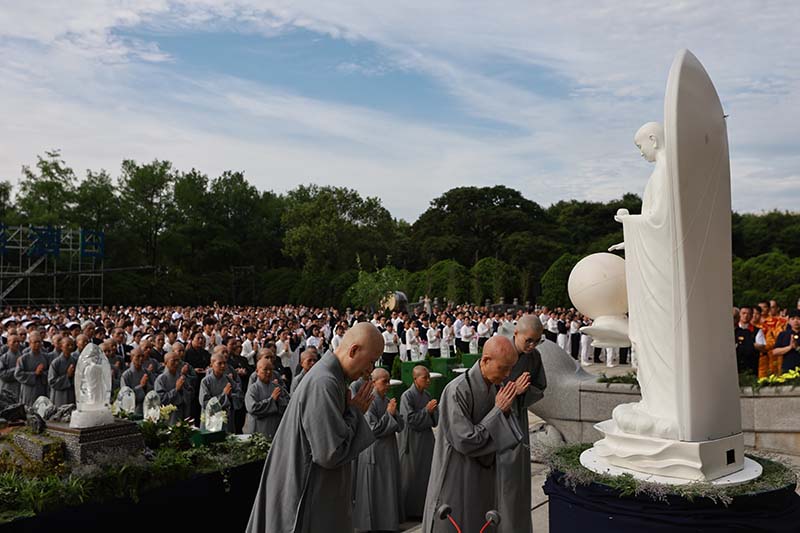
(770, 416)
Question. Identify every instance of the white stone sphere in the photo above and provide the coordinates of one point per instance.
(597, 285)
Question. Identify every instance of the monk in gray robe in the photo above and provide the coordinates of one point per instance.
(514, 465)
(305, 486)
(61, 374)
(475, 423)
(116, 363)
(8, 365)
(31, 371)
(378, 505)
(420, 413)
(138, 379)
(173, 387)
(219, 384)
(307, 359)
(266, 401)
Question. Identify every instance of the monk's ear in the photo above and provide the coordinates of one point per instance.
(353, 349)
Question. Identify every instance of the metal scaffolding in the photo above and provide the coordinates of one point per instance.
(46, 265)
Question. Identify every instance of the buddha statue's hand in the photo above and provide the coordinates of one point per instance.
(620, 246)
(620, 214)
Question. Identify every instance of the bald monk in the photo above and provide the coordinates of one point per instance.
(378, 506)
(307, 359)
(475, 424)
(514, 465)
(305, 486)
(265, 401)
(420, 413)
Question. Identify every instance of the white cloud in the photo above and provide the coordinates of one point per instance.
(70, 79)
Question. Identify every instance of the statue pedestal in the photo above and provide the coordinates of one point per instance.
(123, 436)
(601, 508)
(669, 461)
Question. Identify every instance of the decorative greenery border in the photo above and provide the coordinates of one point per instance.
(746, 379)
(31, 487)
(566, 459)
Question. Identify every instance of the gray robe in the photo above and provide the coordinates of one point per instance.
(131, 378)
(296, 381)
(471, 431)
(62, 387)
(169, 395)
(263, 413)
(31, 385)
(213, 386)
(305, 486)
(514, 465)
(116, 372)
(8, 364)
(378, 505)
(416, 449)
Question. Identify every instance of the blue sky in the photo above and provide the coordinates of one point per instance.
(402, 102)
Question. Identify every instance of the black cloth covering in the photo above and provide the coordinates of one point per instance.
(598, 508)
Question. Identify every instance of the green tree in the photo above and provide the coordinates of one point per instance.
(7, 211)
(97, 205)
(47, 193)
(327, 227)
(146, 193)
(468, 223)
(494, 279)
(372, 287)
(554, 282)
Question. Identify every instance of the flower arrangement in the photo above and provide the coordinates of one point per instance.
(791, 378)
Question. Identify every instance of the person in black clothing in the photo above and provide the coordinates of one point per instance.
(199, 359)
(746, 349)
(788, 342)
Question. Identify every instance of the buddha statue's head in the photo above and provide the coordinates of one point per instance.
(649, 140)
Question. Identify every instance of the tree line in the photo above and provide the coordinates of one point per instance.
(221, 239)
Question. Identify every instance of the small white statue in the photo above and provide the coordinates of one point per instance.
(44, 407)
(152, 406)
(126, 401)
(92, 389)
(214, 416)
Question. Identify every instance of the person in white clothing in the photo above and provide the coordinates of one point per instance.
(434, 339)
(457, 325)
(412, 340)
(249, 346)
(337, 338)
(484, 330)
(468, 335)
(391, 347)
(551, 331)
(447, 338)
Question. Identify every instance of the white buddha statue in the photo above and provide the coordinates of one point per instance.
(92, 389)
(649, 280)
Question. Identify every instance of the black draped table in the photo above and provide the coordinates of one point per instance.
(597, 508)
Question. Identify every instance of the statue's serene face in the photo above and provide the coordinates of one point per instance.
(649, 139)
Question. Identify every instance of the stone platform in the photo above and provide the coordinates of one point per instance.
(83, 443)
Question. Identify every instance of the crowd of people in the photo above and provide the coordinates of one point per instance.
(767, 338)
(255, 359)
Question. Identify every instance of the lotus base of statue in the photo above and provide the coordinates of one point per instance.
(88, 419)
(670, 461)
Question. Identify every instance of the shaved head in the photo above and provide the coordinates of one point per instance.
(360, 348)
(420, 370)
(529, 324)
(380, 373)
(528, 333)
(498, 359)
